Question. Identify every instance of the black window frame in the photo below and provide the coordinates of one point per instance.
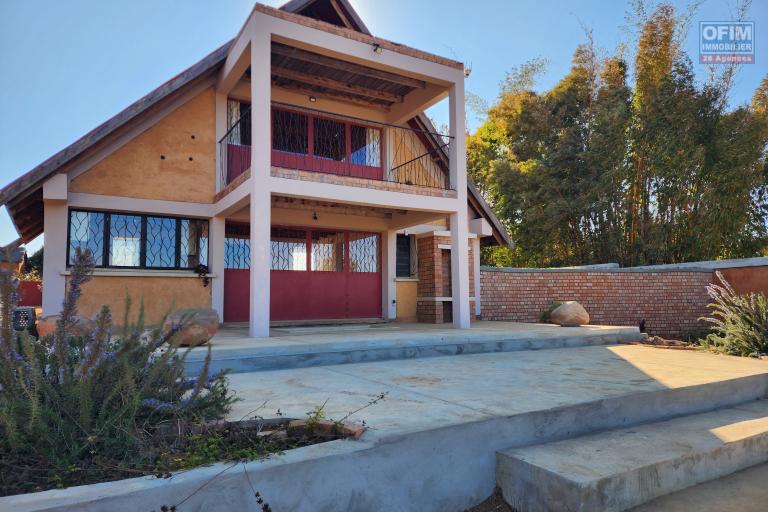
(403, 242)
(143, 240)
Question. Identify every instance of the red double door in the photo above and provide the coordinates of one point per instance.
(315, 275)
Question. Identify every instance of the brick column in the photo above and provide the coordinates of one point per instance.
(430, 280)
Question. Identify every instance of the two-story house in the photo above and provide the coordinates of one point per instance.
(295, 163)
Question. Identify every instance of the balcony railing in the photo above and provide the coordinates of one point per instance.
(315, 141)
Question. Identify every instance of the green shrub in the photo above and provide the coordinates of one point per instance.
(81, 409)
(546, 315)
(739, 322)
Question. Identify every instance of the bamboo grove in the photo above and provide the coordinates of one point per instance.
(601, 168)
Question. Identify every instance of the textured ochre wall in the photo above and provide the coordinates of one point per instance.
(161, 295)
(406, 301)
(137, 169)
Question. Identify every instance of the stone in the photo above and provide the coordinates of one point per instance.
(569, 314)
(81, 327)
(197, 325)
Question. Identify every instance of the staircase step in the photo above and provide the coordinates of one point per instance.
(619, 469)
(744, 491)
(369, 347)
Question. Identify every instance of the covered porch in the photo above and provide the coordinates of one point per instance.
(336, 262)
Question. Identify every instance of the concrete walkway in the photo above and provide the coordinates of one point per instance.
(433, 393)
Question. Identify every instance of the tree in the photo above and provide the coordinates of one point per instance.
(597, 170)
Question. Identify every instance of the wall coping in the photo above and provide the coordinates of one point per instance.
(694, 266)
(597, 270)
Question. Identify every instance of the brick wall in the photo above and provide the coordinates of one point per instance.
(670, 302)
(434, 266)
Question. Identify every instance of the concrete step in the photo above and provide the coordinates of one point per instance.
(744, 491)
(369, 346)
(619, 469)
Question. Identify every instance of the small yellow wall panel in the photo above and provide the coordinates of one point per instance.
(137, 169)
(406, 301)
(161, 295)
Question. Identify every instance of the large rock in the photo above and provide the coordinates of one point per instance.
(570, 314)
(81, 327)
(196, 326)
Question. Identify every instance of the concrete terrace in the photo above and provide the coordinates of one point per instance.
(298, 347)
(452, 426)
(426, 394)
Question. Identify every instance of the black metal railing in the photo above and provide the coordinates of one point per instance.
(316, 141)
(235, 149)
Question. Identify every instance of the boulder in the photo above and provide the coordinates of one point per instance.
(81, 327)
(196, 325)
(569, 314)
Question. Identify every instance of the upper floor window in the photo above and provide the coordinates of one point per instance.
(125, 240)
(323, 143)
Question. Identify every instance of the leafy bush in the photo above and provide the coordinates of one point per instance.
(78, 409)
(546, 315)
(739, 322)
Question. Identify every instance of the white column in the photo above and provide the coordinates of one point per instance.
(260, 193)
(476, 272)
(54, 256)
(389, 272)
(55, 219)
(216, 263)
(459, 218)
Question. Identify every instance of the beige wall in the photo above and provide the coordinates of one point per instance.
(161, 295)
(406, 301)
(137, 170)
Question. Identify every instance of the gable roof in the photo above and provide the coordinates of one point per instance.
(24, 199)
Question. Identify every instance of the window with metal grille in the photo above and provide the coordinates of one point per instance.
(403, 264)
(327, 251)
(363, 252)
(289, 249)
(138, 241)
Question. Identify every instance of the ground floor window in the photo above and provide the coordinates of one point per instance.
(127, 240)
(406, 257)
(298, 249)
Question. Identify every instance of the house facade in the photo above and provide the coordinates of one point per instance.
(293, 169)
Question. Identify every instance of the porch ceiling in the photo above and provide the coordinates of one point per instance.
(311, 73)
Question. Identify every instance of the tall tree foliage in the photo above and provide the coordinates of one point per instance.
(600, 170)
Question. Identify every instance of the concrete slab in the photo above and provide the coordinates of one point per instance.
(744, 491)
(441, 391)
(433, 442)
(615, 470)
(302, 347)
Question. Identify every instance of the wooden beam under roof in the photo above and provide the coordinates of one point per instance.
(340, 13)
(329, 83)
(336, 96)
(350, 67)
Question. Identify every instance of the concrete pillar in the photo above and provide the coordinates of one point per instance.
(55, 220)
(459, 218)
(216, 263)
(476, 271)
(54, 256)
(260, 174)
(389, 272)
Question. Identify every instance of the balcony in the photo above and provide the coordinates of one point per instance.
(322, 142)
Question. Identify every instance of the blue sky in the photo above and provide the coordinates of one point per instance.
(67, 66)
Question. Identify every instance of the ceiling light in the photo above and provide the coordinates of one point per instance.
(312, 99)
(377, 48)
